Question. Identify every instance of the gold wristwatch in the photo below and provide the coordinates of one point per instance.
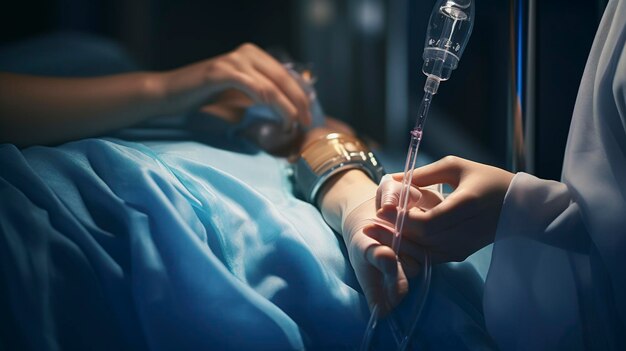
(328, 156)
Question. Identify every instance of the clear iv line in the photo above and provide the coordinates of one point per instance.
(449, 29)
(416, 137)
(407, 179)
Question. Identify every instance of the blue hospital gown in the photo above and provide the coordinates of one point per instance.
(107, 244)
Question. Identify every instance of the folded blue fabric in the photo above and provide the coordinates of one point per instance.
(106, 244)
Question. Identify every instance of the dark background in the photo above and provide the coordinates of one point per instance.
(347, 42)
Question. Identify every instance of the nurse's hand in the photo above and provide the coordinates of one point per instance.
(466, 220)
(379, 273)
(247, 69)
(387, 196)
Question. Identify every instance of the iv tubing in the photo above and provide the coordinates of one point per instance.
(430, 88)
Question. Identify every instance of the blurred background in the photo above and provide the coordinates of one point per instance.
(508, 104)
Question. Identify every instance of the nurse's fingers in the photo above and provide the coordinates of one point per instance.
(389, 191)
(424, 227)
(457, 242)
(431, 197)
(448, 170)
(424, 223)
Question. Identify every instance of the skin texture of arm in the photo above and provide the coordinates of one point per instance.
(46, 110)
(42, 110)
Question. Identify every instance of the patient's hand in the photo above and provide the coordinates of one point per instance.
(380, 275)
(231, 106)
(347, 202)
(50, 110)
(247, 69)
(387, 198)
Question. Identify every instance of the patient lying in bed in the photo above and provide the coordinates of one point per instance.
(108, 244)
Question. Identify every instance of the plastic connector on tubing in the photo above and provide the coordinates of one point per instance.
(432, 84)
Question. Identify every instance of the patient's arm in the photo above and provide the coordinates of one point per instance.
(347, 202)
(348, 205)
(43, 110)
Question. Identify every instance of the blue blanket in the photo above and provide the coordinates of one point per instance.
(107, 244)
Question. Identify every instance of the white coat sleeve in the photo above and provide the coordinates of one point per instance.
(557, 279)
(540, 228)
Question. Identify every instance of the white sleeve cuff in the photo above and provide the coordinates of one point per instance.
(531, 205)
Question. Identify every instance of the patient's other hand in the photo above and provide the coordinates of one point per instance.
(247, 69)
(231, 105)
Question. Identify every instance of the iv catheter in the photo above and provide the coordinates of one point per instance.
(449, 29)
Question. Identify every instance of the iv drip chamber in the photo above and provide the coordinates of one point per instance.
(449, 30)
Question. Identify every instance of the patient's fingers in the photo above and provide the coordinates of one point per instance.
(385, 237)
(394, 286)
(410, 253)
(383, 281)
(263, 90)
(254, 72)
(383, 258)
(411, 265)
(278, 74)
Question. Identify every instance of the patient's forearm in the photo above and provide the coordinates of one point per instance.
(41, 110)
(342, 194)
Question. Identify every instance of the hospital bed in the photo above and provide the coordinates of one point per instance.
(158, 238)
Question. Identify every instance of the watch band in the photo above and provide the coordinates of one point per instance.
(330, 155)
